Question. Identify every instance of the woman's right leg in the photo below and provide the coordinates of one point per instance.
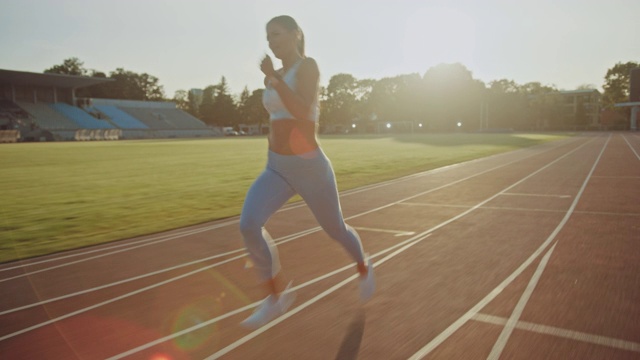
(267, 194)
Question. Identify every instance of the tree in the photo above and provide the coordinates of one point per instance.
(254, 111)
(542, 106)
(225, 110)
(193, 104)
(507, 104)
(73, 66)
(408, 97)
(251, 111)
(243, 117)
(451, 95)
(206, 108)
(150, 85)
(586, 87)
(70, 66)
(218, 108)
(339, 104)
(504, 86)
(383, 98)
(616, 83)
(364, 108)
(180, 97)
(129, 85)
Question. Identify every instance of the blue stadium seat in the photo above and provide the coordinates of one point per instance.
(121, 118)
(80, 117)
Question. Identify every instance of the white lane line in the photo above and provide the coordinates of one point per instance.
(563, 333)
(553, 145)
(506, 208)
(282, 240)
(138, 291)
(435, 342)
(616, 177)
(51, 321)
(240, 256)
(279, 241)
(306, 304)
(538, 195)
(195, 231)
(101, 287)
(290, 207)
(606, 213)
(95, 306)
(463, 213)
(402, 246)
(290, 239)
(153, 240)
(243, 340)
(498, 347)
(161, 238)
(631, 147)
(386, 231)
(435, 205)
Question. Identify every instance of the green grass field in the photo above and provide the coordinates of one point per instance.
(58, 196)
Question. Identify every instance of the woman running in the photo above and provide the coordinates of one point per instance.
(295, 165)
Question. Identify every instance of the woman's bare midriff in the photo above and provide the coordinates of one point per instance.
(292, 137)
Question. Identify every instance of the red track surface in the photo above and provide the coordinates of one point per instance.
(533, 254)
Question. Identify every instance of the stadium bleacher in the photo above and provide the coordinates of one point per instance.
(162, 119)
(134, 122)
(185, 120)
(152, 117)
(42, 107)
(48, 118)
(81, 117)
(120, 118)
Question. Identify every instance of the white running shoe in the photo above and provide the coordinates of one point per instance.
(269, 309)
(287, 297)
(367, 283)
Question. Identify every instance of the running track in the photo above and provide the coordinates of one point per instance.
(531, 254)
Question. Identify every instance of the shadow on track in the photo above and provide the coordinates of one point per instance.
(351, 343)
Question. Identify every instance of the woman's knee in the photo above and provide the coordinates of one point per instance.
(249, 226)
(338, 230)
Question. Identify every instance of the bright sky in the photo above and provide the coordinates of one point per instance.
(193, 43)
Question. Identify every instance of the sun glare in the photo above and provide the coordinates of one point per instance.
(435, 35)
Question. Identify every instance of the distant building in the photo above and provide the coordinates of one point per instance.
(197, 94)
(589, 100)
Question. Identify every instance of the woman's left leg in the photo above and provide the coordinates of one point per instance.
(320, 192)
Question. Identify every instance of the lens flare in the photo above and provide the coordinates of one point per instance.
(201, 310)
(192, 315)
(299, 143)
(160, 357)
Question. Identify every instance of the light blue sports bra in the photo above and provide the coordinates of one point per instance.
(272, 102)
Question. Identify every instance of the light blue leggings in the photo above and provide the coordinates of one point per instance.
(311, 176)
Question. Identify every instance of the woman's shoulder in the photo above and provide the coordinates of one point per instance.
(309, 66)
(309, 62)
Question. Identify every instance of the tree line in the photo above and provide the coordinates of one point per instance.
(445, 97)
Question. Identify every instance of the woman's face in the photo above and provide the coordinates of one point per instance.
(281, 40)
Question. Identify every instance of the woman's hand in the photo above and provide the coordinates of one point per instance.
(266, 66)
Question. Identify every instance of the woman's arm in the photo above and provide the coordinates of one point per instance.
(300, 102)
